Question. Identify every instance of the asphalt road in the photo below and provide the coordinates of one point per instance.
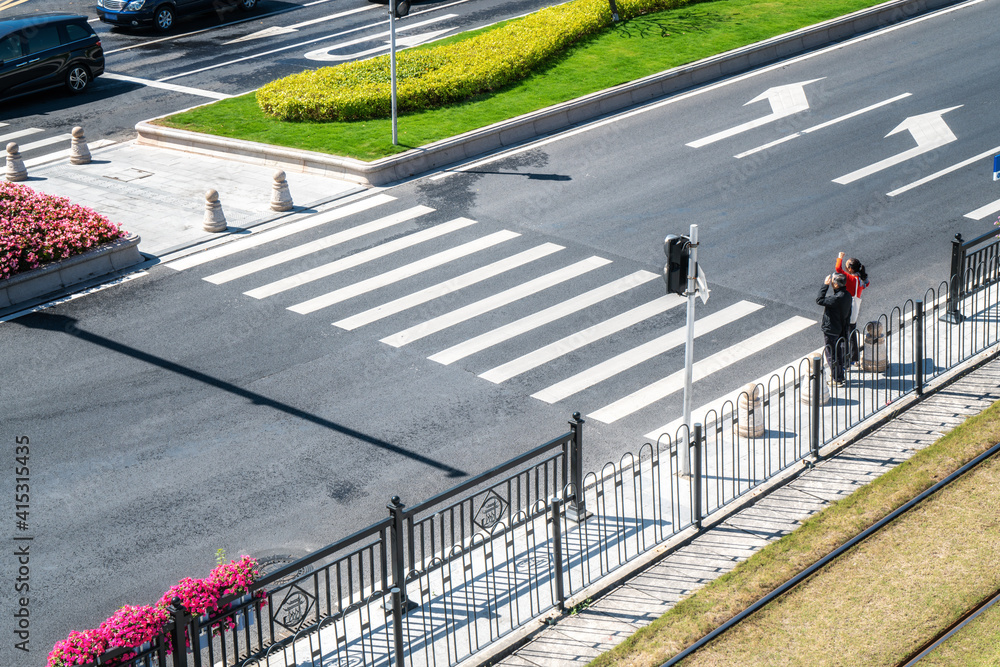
(170, 416)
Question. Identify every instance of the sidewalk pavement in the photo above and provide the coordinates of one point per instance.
(610, 619)
(159, 194)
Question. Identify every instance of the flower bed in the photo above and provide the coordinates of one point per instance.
(132, 626)
(37, 229)
(429, 78)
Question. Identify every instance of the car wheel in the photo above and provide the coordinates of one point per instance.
(247, 5)
(163, 19)
(77, 78)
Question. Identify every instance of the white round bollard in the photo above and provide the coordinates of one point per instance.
(79, 153)
(15, 166)
(281, 198)
(215, 219)
(874, 355)
(824, 390)
(751, 411)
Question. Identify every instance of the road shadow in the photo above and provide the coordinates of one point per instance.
(68, 325)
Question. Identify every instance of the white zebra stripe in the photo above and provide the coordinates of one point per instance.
(496, 301)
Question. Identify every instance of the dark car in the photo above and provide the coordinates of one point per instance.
(48, 50)
(161, 14)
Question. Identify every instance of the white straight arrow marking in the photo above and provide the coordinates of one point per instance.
(324, 55)
(274, 31)
(929, 130)
(785, 101)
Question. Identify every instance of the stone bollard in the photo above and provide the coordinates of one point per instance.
(79, 153)
(15, 166)
(751, 411)
(215, 219)
(824, 388)
(874, 356)
(281, 198)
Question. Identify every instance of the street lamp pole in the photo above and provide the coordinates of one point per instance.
(392, 66)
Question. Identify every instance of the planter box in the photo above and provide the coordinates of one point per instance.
(74, 270)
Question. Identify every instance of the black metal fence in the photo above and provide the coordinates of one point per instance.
(434, 583)
(972, 269)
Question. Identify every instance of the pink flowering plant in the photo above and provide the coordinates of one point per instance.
(37, 228)
(133, 626)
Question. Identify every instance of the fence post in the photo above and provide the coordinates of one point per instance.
(952, 315)
(815, 380)
(696, 470)
(554, 516)
(396, 508)
(181, 618)
(577, 510)
(397, 624)
(918, 346)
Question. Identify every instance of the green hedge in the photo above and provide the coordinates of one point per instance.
(429, 78)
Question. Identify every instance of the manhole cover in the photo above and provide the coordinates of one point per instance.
(129, 175)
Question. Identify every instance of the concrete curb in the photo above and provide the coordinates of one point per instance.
(57, 276)
(544, 121)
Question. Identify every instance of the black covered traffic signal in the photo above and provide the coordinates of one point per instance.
(401, 7)
(675, 271)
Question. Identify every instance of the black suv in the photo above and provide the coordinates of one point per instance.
(161, 14)
(48, 50)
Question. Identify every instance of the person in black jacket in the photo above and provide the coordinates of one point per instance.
(836, 323)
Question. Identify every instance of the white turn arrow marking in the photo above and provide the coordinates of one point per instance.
(929, 130)
(785, 101)
(277, 30)
(324, 54)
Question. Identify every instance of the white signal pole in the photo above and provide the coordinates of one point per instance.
(392, 66)
(692, 289)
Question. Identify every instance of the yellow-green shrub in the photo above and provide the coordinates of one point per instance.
(434, 77)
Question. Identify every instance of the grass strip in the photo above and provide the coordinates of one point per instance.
(879, 602)
(975, 645)
(635, 49)
(733, 592)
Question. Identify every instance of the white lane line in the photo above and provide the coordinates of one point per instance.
(533, 145)
(403, 272)
(632, 358)
(317, 245)
(493, 302)
(20, 133)
(260, 238)
(59, 155)
(943, 172)
(579, 339)
(702, 369)
(828, 123)
(448, 286)
(358, 259)
(308, 41)
(71, 297)
(48, 141)
(701, 414)
(983, 211)
(541, 318)
(168, 86)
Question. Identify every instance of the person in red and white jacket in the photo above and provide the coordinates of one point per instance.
(857, 281)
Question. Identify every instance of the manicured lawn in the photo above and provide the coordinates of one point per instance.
(630, 51)
(888, 596)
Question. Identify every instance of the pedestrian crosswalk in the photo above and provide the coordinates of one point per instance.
(509, 307)
(39, 146)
